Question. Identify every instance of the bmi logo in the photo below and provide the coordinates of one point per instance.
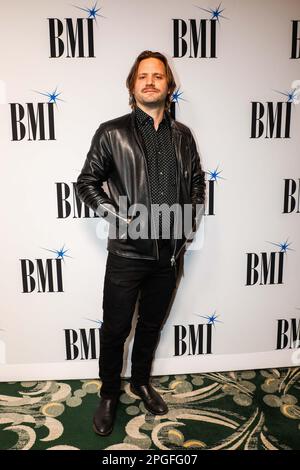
(69, 204)
(295, 47)
(288, 333)
(194, 340)
(266, 267)
(197, 38)
(43, 275)
(73, 37)
(34, 121)
(291, 196)
(213, 177)
(83, 343)
(272, 119)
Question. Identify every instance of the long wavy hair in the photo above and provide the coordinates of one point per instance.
(133, 73)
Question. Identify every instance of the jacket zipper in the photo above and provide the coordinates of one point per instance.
(147, 175)
(187, 239)
(114, 213)
(173, 257)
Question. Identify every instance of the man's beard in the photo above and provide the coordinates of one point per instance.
(155, 103)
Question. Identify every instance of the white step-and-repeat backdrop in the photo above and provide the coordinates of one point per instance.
(63, 71)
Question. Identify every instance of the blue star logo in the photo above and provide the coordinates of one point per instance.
(214, 174)
(176, 96)
(60, 253)
(292, 96)
(212, 319)
(99, 322)
(93, 12)
(283, 246)
(53, 96)
(215, 14)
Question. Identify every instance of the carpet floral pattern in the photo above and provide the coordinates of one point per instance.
(252, 410)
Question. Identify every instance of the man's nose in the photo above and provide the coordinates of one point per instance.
(150, 80)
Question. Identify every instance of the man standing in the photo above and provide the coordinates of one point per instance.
(149, 159)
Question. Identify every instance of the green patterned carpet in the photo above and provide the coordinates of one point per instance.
(229, 410)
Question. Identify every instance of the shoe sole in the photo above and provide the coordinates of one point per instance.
(101, 433)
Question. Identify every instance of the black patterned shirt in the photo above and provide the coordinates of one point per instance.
(161, 163)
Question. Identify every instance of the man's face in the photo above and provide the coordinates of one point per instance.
(151, 87)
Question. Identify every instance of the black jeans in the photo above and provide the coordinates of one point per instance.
(124, 279)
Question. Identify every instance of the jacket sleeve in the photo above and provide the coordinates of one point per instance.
(198, 186)
(95, 172)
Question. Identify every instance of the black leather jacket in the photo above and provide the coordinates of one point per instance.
(116, 156)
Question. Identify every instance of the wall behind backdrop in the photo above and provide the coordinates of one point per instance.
(63, 71)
